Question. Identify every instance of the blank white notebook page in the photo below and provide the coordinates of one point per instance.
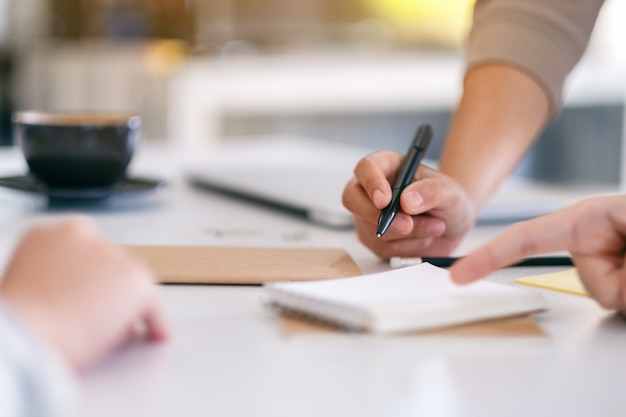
(414, 298)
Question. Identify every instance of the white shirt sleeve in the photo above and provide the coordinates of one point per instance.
(34, 381)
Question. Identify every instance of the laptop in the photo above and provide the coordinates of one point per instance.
(301, 176)
(306, 177)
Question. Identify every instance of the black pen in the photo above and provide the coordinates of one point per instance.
(445, 262)
(405, 175)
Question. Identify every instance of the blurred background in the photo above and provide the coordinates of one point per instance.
(362, 71)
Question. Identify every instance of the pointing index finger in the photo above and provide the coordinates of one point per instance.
(548, 233)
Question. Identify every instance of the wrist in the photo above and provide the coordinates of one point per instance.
(45, 384)
(38, 324)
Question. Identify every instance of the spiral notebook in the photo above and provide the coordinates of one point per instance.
(415, 298)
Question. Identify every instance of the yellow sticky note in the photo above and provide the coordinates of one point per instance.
(564, 281)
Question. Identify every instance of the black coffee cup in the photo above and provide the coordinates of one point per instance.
(77, 149)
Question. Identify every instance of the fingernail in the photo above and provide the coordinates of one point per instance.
(377, 196)
(415, 200)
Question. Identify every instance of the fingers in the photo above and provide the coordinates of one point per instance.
(150, 318)
(394, 243)
(435, 211)
(154, 320)
(355, 199)
(548, 233)
(431, 191)
(601, 278)
(374, 174)
(362, 196)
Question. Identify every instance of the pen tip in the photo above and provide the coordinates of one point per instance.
(379, 234)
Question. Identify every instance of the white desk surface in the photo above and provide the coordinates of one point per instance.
(227, 356)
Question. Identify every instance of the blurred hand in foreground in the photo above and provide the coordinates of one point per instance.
(80, 294)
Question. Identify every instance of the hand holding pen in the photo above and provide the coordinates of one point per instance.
(433, 215)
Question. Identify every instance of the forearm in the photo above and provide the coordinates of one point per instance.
(518, 55)
(500, 115)
(544, 39)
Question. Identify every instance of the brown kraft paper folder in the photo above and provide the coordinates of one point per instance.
(508, 327)
(244, 265)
